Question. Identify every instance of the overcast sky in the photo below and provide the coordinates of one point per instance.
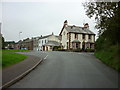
(40, 18)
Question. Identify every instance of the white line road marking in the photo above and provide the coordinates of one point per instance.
(46, 57)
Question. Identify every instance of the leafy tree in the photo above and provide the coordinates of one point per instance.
(3, 43)
(107, 19)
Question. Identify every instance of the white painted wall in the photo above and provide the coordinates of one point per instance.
(41, 42)
(93, 39)
(64, 38)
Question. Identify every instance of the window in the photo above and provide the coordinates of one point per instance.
(45, 41)
(67, 45)
(73, 45)
(77, 45)
(67, 36)
(89, 36)
(76, 36)
(83, 36)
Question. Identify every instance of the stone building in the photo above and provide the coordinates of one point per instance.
(27, 44)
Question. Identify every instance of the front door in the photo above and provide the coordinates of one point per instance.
(43, 48)
(46, 48)
(83, 46)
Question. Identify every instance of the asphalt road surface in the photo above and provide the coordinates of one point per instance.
(69, 70)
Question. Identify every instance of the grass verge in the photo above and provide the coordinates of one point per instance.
(9, 59)
(0, 59)
(110, 57)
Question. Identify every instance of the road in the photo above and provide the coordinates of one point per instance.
(69, 70)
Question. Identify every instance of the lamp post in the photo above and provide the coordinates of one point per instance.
(19, 40)
(19, 35)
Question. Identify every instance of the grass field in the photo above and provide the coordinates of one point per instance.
(16, 50)
(11, 58)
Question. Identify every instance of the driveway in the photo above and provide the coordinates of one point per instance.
(69, 70)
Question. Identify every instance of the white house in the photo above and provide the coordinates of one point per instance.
(53, 40)
(74, 37)
(46, 43)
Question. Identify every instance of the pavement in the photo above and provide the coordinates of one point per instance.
(14, 73)
(69, 70)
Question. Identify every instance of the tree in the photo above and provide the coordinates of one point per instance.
(3, 43)
(107, 19)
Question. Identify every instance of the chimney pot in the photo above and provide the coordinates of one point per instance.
(86, 25)
(65, 23)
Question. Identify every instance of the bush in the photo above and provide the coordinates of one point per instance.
(62, 50)
(89, 50)
(56, 48)
(77, 50)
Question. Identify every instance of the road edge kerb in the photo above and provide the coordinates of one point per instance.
(8, 84)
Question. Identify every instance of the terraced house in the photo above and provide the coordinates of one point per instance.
(75, 37)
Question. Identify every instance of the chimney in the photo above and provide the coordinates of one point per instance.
(52, 33)
(72, 26)
(65, 23)
(86, 25)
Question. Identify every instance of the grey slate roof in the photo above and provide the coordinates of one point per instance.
(59, 37)
(45, 36)
(52, 43)
(48, 36)
(39, 37)
(77, 29)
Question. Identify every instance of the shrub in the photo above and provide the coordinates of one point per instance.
(77, 50)
(56, 48)
(89, 50)
(62, 50)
